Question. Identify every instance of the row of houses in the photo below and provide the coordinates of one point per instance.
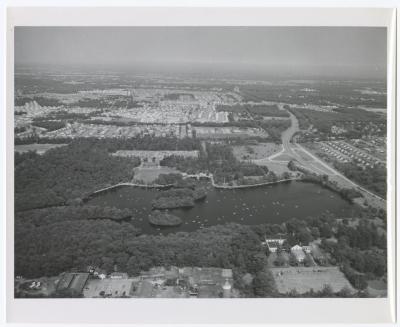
(298, 251)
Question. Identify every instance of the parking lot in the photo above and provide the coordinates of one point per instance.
(108, 287)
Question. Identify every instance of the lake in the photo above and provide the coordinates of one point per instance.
(268, 204)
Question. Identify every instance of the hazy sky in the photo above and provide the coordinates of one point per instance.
(358, 51)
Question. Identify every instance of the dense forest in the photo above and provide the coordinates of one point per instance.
(258, 110)
(374, 179)
(355, 121)
(324, 93)
(76, 211)
(49, 125)
(113, 144)
(66, 173)
(274, 127)
(48, 249)
(42, 101)
(50, 241)
(356, 245)
(219, 160)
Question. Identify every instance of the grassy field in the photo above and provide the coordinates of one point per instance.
(303, 155)
(278, 168)
(148, 175)
(303, 279)
(39, 148)
(259, 151)
(283, 157)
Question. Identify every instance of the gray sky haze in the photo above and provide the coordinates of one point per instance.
(358, 51)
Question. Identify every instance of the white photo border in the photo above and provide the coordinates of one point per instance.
(238, 311)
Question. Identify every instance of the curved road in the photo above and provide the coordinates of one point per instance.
(289, 149)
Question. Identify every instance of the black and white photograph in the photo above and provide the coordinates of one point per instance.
(200, 162)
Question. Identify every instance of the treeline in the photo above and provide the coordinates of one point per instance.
(178, 197)
(146, 142)
(74, 171)
(75, 211)
(353, 119)
(358, 262)
(274, 127)
(218, 160)
(100, 103)
(327, 292)
(322, 93)
(150, 143)
(177, 96)
(19, 129)
(50, 125)
(356, 245)
(373, 179)
(65, 115)
(50, 249)
(260, 110)
(41, 140)
(267, 111)
(67, 173)
(41, 101)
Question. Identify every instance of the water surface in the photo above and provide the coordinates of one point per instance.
(268, 204)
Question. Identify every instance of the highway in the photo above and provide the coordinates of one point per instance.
(317, 165)
(288, 148)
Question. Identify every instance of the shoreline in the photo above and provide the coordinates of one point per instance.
(217, 186)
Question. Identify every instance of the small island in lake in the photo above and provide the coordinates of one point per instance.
(178, 198)
(161, 218)
(199, 193)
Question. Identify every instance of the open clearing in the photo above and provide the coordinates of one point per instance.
(303, 279)
(148, 175)
(252, 152)
(283, 157)
(276, 167)
(304, 156)
(38, 148)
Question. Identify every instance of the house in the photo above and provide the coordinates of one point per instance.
(273, 244)
(73, 281)
(226, 273)
(118, 275)
(306, 249)
(298, 253)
